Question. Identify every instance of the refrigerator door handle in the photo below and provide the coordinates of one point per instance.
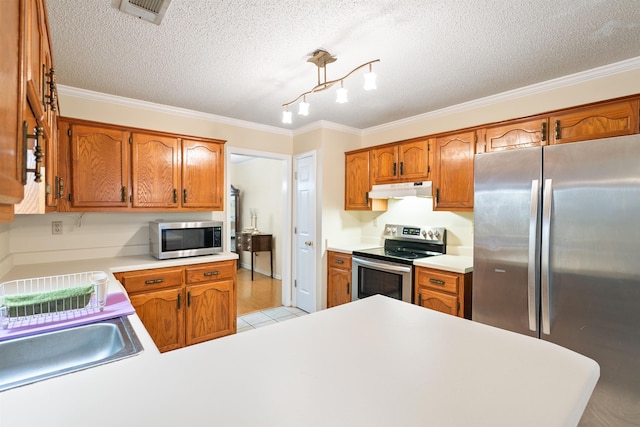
(533, 259)
(546, 234)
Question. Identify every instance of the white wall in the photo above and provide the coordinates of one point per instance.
(260, 183)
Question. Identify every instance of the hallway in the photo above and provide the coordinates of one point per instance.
(260, 294)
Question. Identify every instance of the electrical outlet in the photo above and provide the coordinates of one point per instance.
(56, 227)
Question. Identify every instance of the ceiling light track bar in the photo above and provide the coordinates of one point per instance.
(327, 84)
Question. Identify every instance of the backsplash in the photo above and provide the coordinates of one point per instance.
(87, 235)
(419, 211)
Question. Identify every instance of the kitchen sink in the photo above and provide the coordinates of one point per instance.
(38, 357)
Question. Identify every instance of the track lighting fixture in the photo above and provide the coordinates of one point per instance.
(321, 58)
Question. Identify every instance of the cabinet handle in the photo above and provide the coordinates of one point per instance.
(153, 281)
(394, 169)
(401, 168)
(37, 151)
(188, 299)
(436, 281)
(437, 195)
(557, 129)
(366, 197)
(52, 98)
(175, 196)
(348, 288)
(339, 261)
(184, 196)
(179, 301)
(419, 299)
(60, 188)
(123, 194)
(211, 273)
(543, 131)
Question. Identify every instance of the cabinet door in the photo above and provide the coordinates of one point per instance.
(438, 301)
(11, 189)
(99, 167)
(35, 39)
(356, 183)
(602, 121)
(211, 311)
(454, 172)
(384, 165)
(414, 161)
(202, 174)
(155, 171)
(523, 134)
(162, 313)
(338, 279)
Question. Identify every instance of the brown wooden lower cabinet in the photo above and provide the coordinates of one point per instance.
(338, 278)
(443, 291)
(184, 305)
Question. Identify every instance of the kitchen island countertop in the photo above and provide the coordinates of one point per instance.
(374, 362)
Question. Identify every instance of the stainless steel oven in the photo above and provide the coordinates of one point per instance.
(372, 276)
(388, 270)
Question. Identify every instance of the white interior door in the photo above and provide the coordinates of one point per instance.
(305, 232)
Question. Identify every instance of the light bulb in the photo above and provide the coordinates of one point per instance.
(286, 116)
(370, 80)
(341, 95)
(303, 110)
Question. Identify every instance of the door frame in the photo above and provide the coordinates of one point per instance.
(286, 200)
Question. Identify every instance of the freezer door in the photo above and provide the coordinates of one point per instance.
(594, 262)
(506, 239)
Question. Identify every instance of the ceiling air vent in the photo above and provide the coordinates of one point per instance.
(149, 10)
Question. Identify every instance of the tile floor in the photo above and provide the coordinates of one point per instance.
(270, 316)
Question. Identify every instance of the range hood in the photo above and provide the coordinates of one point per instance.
(405, 189)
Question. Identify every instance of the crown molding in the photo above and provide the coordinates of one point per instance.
(323, 124)
(160, 108)
(534, 89)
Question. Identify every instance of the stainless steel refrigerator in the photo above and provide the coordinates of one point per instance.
(557, 256)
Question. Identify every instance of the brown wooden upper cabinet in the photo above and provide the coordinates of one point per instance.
(453, 181)
(155, 170)
(27, 87)
(202, 174)
(513, 135)
(593, 122)
(357, 183)
(99, 166)
(115, 168)
(406, 161)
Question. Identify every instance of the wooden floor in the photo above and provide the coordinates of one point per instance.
(261, 293)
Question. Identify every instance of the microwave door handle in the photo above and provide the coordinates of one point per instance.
(533, 256)
(383, 267)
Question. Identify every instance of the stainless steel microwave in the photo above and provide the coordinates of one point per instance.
(184, 238)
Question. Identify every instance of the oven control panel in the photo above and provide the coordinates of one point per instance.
(397, 231)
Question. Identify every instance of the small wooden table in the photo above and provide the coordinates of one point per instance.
(256, 243)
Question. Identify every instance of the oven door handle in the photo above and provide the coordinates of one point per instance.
(382, 266)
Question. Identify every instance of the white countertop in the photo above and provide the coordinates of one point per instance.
(109, 265)
(455, 263)
(373, 362)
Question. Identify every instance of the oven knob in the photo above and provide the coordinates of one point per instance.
(390, 230)
(430, 233)
(436, 234)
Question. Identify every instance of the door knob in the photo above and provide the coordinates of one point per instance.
(308, 243)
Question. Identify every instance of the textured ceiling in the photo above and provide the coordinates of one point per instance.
(244, 58)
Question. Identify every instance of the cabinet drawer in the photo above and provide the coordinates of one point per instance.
(146, 280)
(339, 260)
(438, 280)
(210, 272)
